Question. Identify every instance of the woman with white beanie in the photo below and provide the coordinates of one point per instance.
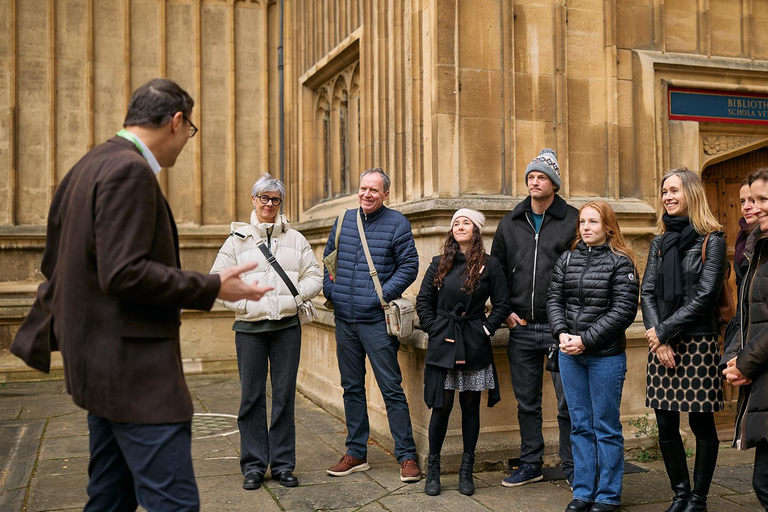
(451, 308)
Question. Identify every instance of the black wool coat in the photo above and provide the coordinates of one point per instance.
(454, 319)
(594, 294)
(752, 347)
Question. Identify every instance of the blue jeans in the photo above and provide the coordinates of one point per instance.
(593, 386)
(353, 342)
(528, 345)
(276, 447)
(134, 464)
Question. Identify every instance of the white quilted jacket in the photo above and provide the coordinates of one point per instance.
(291, 250)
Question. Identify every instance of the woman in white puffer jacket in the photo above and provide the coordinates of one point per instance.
(268, 333)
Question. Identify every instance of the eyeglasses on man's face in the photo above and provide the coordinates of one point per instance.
(192, 128)
(266, 199)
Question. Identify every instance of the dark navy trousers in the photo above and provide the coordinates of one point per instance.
(134, 464)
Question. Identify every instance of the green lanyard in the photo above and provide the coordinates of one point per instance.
(131, 137)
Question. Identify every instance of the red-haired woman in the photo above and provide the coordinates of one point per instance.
(592, 301)
(451, 307)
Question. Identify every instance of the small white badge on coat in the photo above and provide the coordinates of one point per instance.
(631, 276)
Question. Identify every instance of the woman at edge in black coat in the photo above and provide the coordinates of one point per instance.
(451, 308)
(592, 300)
(679, 294)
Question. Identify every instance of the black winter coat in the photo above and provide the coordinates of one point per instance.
(450, 313)
(528, 258)
(752, 346)
(702, 282)
(593, 294)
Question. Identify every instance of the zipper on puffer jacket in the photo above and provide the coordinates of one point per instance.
(535, 259)
(581, 289)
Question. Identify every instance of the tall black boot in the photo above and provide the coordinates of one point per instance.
(703, 469)
(673, 453)
(432, 486)
(466, 483)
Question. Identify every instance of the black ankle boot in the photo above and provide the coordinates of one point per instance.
(703, 469)
(673, 453)
(466, 483)
(432, 485)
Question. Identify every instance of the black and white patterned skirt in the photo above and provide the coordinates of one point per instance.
(694, 384)
(470, 380)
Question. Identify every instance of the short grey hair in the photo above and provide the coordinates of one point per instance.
(380, 172)
(268, 184)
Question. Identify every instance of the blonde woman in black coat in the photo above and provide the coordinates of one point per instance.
(451, 308)
(679, 294)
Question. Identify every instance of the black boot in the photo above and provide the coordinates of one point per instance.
(432, 486)
(703, 469)
(466, 484)
(673, 453)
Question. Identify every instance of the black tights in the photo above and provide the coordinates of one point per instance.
(702, 425)
(470, 420)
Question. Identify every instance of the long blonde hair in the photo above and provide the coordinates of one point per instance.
(699, 214)
(611, 225)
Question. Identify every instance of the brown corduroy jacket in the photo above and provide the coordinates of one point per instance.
(114, 289)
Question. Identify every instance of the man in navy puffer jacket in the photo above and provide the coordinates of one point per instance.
(360, 325)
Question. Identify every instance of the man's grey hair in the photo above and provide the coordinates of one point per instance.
(380, 172)
(268, 184)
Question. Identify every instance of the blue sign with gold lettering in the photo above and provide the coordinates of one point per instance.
(717, 106)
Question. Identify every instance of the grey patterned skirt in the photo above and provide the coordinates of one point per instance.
(694, 384)
(470, 380)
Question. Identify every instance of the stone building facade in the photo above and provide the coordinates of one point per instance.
(451, 97)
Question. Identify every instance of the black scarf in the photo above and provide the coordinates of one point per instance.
(677, 238)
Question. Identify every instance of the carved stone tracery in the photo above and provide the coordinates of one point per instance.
(716, 144)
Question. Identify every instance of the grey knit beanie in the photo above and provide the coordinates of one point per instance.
(546, 162)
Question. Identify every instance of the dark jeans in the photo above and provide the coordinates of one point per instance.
(353, 342)
(527, 350)
(147, 465)
(760, 474)
(256, 352)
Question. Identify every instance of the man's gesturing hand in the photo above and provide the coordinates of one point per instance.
(233, 288)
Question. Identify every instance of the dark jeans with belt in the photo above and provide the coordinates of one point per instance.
(279, 352)
(353, 342)
(527, 349)
(134, 464)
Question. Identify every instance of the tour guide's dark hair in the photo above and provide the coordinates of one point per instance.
(156, 102)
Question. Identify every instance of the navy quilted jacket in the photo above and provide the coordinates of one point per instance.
(390, 241)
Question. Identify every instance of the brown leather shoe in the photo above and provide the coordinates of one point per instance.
(348, 465)
(409, 471)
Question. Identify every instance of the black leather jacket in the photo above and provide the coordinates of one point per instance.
(593, 294)
(702, 281)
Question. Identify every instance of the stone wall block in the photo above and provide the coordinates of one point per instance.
(680, 26)
(445, 32)
(580, 100)
(480, 93)
(445, 82)
(534, 97)
(534, 28)
(635, 24)
(480, 147)
(145, 41)
(585, 44)
(110, 94)
(480, 34)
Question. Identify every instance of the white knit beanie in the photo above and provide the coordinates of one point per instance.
(477, 218)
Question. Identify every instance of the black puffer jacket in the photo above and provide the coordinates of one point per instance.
(593, 294)
(702, 282)
(752, 359)
(452, 314)
(528, 258)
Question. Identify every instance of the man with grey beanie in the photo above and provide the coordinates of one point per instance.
(528, 242)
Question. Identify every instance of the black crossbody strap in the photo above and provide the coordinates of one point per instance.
(275, 265)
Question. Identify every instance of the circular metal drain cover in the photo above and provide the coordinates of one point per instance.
(205, 425)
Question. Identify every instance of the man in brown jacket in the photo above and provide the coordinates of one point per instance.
(112, 304)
